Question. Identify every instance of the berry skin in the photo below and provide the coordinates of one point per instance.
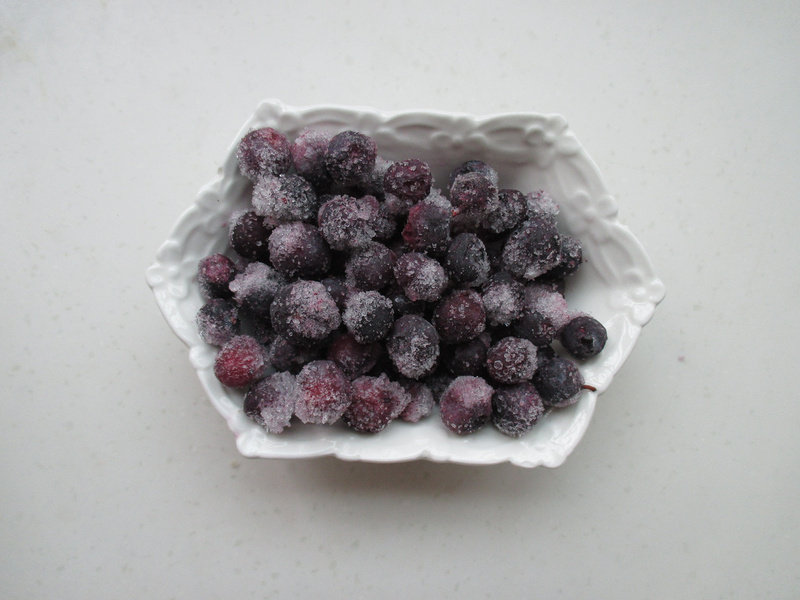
(324, 393)
(532, 249)
(248, 236)
(308, 156)
(515, 409)
(466, 261)
(536, 327)
(263, 152)
(421, 403)
(502, 299)
(347, 223)
(370, 267)
(559, 382)
(240, 362)
(421, 277)
(506, 211)
(353, 358)
(413, 346)
(217, 321)
(304, 313)
(460, 317)
(286, 357)
(472, 193)
(427, 228)
(270, 402)
(408, 180)
(583, 337)
(368, 316)
(350, 158)
(284, 199)
(473, 166)
(511, 360)
(214, 273)
(468, 358)
(466, 404)
(256, 287)
(299, 250)
(376, 402)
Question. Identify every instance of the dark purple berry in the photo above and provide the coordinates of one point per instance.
(324, 393)
(473, 166)
(570, 257)
(502, 299)
(460, 317)
(354, 359)
(427, 228)
(298, 250)
(413, 346)
(551, 305)
(511, 360)
(472, 193)
(558, 381)
(468, 358)
(285, 199)
(338, 290)
(466, 261)
(304, 313)
(376, 402)
(506, 211)
(532, 249)
(347, 223)
(287, 357)
(308, 156)
(583, 337)
(403, 305)
(248, 236)
(214, 273)
(536, 327)
(420, 277)
(542, 206)
(256, 287)
(408, 179)
(263, 151)
(368, 316)
(217, 321)
(271, 401)
(370, 267)
(515, 409)
(240, 362)
(466, 404)
(350, 157)
(421, 403)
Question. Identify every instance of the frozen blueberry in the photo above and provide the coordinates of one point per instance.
(288, 357)
(473, 166)
(240, 362)
(350, 157)
(516, 409)
(285, 199)
(255, 287)
(324, 393)
(466, 404)
(532, 249)
(263, 151)
(304, 313)
(551, 305)
(536, 327)
(511, 360)
(298, 250)
(271, 401)
(408, 179)
(347, 223)
(542, 206)
(376, 402)
(506, 211)
(370, 267)
(413, 346)
(338, 290)
(217, 321)
(468, 358)
(308, 156)
(570, 257)
(472, 193)
(421, 403)
(502, 299)
(248, 236)
(583, 336)
(354, 359)
(420, 277)
(427, 228)
(466, 261)
(368, 316)
(460, 317)
(214, 273)
(558, 381)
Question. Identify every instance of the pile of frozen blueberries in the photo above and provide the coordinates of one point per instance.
(355, 291)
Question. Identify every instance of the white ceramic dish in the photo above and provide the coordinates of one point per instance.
(530, 151)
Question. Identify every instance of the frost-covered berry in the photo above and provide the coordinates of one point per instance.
(466, 260)
(308, 155)
(214, 273)
(474, 166)
(338, 290)
(284, 199)
(542, 206)
(558, 381)
(217, 321)
(354, 359)
(287, 357)
(506, 211)
(421, 403)
(368, 316)
(256, 286)
(511, 360)
(376, 402)
(472, 193)
(298, 250)
(240, 362)
(347, 223)
(516, 409)
(536, 327)
(304, 312)
(413, 346)
(466, 404)
(408, 179)
(468, 358)
(263, 151)
(421, 277)
(532, 249)
(248, 236)
(271, 401)
(502, 299)
(583, 337)
(350, 157)
(541, 298)
(370, 267)
(427, 228)
(324, 393)
(570, 257)
(460, 317)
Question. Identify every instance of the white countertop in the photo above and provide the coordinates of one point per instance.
(119, 478)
